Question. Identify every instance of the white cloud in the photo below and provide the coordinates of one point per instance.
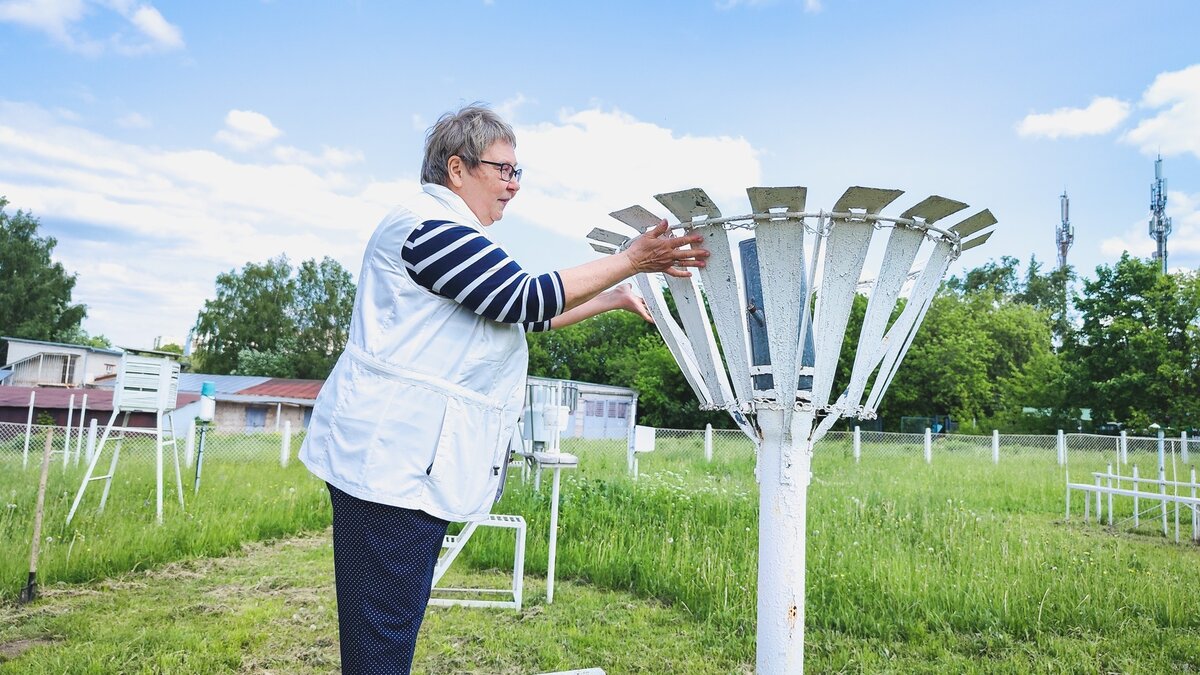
(1183, 244)
(66, 22)
(508, 109)
(1175, 129)
(246, 130)
(329, 157)
(595, 161)
(1101, 116)
(152, 24)
(149, 229)
(133, 121)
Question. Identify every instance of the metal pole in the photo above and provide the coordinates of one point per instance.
(1137, 509)
(285, 444)
(67, 431)
(1162, 476)
(199, 458)
(785, 460)
(189, 444)
(91, 441)
(553, 535)
(158, 468)
(28, 432)
(82, 424)
(1110, 496)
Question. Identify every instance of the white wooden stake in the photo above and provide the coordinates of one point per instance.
(995, 446)
(285, 444)
(28, 431)
(708, 443)
(66, 451)
(928, 446)
(857, 443)
(1124, 448)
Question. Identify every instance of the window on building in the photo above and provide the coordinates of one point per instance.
(256, 417)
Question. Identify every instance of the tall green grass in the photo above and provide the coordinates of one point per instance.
(898, 550)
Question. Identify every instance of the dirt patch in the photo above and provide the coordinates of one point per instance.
(15, 648)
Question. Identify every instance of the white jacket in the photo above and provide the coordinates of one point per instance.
(420, 407)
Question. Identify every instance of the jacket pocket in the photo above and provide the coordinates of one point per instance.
(466, 469)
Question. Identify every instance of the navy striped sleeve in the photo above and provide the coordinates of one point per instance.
(459, 263)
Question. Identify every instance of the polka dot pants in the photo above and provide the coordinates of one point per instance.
(383, 560)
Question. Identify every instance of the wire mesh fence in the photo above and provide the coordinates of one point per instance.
(22, 445)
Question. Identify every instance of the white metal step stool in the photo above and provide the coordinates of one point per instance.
(452, 545)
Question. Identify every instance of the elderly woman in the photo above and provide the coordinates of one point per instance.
(411, 430)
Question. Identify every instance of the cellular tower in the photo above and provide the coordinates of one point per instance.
(1160, 224)
(1064, 233)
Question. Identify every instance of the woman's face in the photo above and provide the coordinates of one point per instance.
(481, 188)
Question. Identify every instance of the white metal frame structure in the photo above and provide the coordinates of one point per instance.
(776, 376)
(452, 545)
(144, 384)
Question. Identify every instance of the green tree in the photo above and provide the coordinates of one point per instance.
(252, 311)
(323, 305)
(268, 321)
(35, 291)
(1139, 346)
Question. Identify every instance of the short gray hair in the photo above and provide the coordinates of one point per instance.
(467, 133)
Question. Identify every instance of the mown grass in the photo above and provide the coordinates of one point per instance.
(958, 566)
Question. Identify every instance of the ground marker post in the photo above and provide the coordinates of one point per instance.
(30, 592)
(928, 446)
(857, 443)
(781, 342)
(995, 446)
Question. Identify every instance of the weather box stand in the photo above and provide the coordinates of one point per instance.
(147, 381)
(781, 326)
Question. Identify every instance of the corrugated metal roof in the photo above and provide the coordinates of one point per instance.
(286, 388)
(224, 384)
(101, 350)
(55, 398)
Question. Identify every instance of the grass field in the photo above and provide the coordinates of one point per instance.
(958, 566)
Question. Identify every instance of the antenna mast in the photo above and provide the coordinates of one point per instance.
(1064, 233)
(1160, 224)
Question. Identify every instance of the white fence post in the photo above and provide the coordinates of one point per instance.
(285, 444)
(91, 440)
(67, 431)
(630, 459)
(28, 431)
(857, 444)
(82, 424)
(708, 443)
(1137, 506)
(1183, 446)
(928, 446)
(189, 444)
(1062, 448)
(1124, 447)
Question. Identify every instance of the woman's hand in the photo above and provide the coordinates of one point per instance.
(623, 297)
(658, 251)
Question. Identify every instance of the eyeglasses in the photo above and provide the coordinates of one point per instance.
(507, 171)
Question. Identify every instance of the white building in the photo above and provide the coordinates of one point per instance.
(34, 363)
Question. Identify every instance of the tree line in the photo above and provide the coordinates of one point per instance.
(1029, 350)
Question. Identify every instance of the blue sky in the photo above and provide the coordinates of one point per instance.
(162, 143)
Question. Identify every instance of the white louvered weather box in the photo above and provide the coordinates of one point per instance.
(146, 383)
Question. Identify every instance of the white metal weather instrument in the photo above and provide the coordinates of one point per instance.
(780, 284)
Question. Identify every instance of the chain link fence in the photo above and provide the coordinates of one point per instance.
(721, 451)
(21, 446)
